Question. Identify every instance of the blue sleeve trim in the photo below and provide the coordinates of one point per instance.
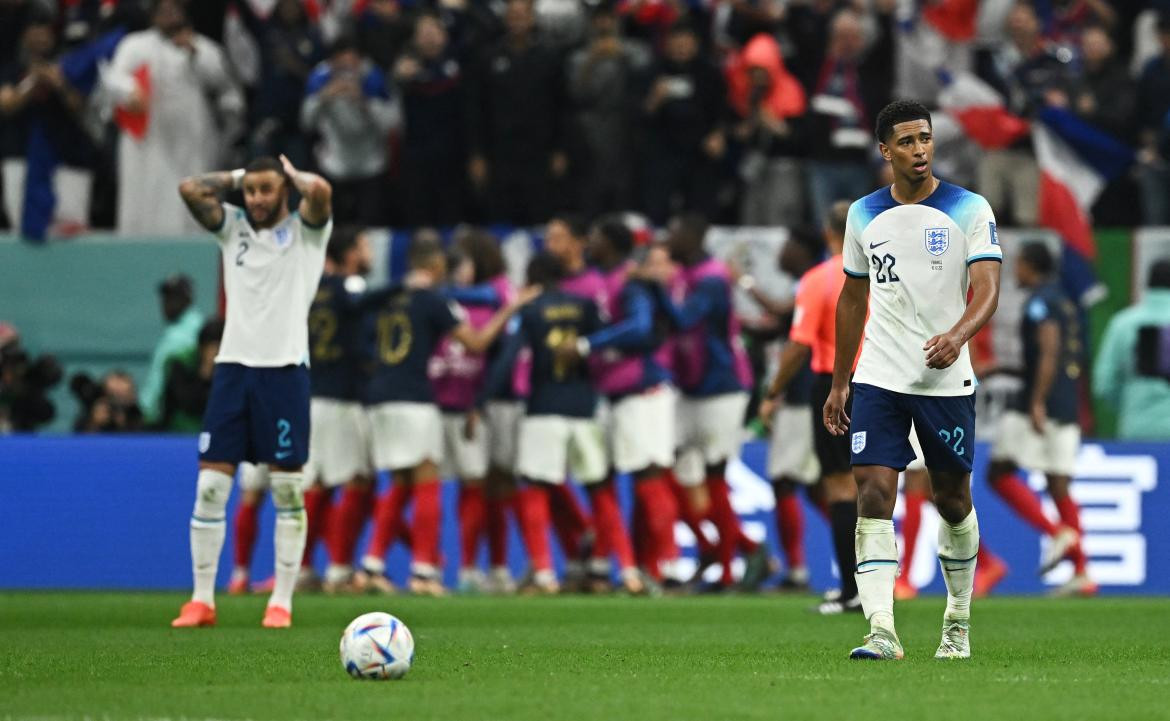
(855, 274)
(977, 258)
(634, 330)
(475, 295)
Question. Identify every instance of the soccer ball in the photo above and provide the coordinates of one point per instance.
(377, 646)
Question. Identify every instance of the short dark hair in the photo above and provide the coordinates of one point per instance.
(1159, 276)
(1038, 257)
(264, 163)
(343, 240)
(838, 217)
(683, 25)
(694, 226)
(346, 42)
(576, 224)
(484, 251)
(178, 285)
(899, 111)
(545, 269)
(424, 246)
(617, 234)
(808, 239)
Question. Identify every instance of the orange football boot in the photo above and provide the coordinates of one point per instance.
(194, 614)
(276, 617)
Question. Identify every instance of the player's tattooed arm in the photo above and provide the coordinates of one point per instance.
(316, 194)
(203, 195)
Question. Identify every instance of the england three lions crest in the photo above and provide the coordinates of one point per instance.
(938, 240)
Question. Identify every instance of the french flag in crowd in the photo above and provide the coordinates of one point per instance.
(1076, 161)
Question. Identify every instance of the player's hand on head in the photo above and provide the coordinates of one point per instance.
(289, 169)
(835, 419)
(941, 351)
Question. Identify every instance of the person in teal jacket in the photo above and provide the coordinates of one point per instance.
(179, 339)
(1142, 400)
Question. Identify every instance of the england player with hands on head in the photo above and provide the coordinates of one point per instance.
(912, 251)
(259, 405)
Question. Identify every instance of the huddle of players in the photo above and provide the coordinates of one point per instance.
(601, 365)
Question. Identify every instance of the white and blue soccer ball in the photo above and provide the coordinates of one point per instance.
(377, 646)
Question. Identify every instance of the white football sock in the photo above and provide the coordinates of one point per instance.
(208, 528)
(877, 567)
(289, 537)
(958, 548)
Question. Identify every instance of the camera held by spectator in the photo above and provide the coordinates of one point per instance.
(24, 384)
(110, 406)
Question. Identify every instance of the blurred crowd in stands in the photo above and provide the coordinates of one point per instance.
(434, 112)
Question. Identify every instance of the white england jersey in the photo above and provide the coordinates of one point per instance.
(916, 257)
(270, 277)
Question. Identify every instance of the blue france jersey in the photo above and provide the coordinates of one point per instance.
(624, 359)
(1049, 304)
(335, 340)
(406, 325)
(559, 388)
(916, 256)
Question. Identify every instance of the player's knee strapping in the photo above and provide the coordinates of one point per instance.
(288, 492)
(211, 496)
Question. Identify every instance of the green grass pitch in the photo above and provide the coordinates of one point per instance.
(113, 656)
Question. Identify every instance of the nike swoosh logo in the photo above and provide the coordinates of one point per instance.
(283, 454)
(864, 572)
(877, 245)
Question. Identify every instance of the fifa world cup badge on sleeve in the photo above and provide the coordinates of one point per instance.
(204, 441)
(937, 240)
(994, 232)
(859, 441)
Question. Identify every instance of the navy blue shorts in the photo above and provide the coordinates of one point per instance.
(259, 415)
(879, 429)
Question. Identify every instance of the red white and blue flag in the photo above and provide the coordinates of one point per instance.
(1076, 162)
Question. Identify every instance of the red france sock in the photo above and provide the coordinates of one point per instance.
(497, 528)
(424, 530)
(568, 519)
(612, 536)
(725, 520)
(346, 518)
(642, 550)
(689, 516)
(388, 518)
(660, 511)
(247, 524)
(1070, 515)
(316, 514)
(533, 514)
(911, 522)
(790, 520)
(1027, 506)
(472, 520)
